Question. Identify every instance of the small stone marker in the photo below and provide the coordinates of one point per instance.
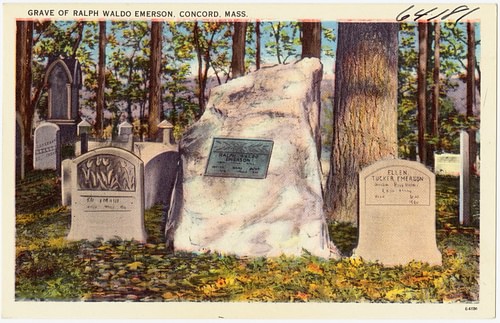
(47, 152)
(107, 198)
(397, 213)
(244, 158)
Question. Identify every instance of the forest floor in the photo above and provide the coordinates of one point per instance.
(48, 267)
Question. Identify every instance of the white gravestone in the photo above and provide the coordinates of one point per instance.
(397, 214)
(107, 198)
(47, 152)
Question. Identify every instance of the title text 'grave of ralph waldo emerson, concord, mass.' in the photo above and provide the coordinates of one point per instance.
(397, 213)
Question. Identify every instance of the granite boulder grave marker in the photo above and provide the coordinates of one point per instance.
(397, 213)
(249, 180)
(107, 197)
(47, 152)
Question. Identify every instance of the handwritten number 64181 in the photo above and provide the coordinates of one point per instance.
(431, 14)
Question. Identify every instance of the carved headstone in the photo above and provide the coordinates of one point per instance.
(107, 198)
(397, 213)
(47, 147)
(250, 181)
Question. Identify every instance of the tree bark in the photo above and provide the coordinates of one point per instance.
(421, 91)
(238, 58)
(24, 44)
(471, 91)
(257, 45)
(101, 79)
(155, 80)
(311, 39)
(436, 87)
(364, 110)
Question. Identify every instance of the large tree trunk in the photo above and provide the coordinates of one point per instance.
(257, 45)
(155, 80)
(364, 111)
(24, 39)
(421, 91)
(311, 39)
(101, 79)
(238, 58)
(471, 91)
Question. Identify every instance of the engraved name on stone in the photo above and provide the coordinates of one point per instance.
(397, 186)
(241, 158)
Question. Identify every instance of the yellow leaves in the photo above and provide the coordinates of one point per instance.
(60, 242)
(394, 294)
(220, 283)
(302, 296)
(134, 265)
(315, 269)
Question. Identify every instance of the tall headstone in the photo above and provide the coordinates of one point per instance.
(64, 80)
(249, 180)
(107, 196)
(397, 213)
(47, 147)
(19, 147)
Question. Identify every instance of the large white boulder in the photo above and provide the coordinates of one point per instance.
(280, 214)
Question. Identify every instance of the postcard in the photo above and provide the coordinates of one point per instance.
(249, 161)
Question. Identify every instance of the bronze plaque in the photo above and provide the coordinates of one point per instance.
(241, 158)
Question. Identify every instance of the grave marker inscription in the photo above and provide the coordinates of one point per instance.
(107, 199)
(241, 158)
(397, 213)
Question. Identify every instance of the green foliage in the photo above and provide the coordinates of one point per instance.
(453, 53)
(283, 40)
(48, 267)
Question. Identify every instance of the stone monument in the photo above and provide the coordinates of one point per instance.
(64, 80)
(397, 213)
(249, 180)
(107, 196)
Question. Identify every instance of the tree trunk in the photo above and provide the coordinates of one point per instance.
(101, 79)
(155, 80)
(238, 58)
(471, 91)
(24, 44)
(311, 39)
(436, 88)
(421, 91)
(257, 45)
(364, 110)
(201, 80)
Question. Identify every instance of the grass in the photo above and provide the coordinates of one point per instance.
(48, 267)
